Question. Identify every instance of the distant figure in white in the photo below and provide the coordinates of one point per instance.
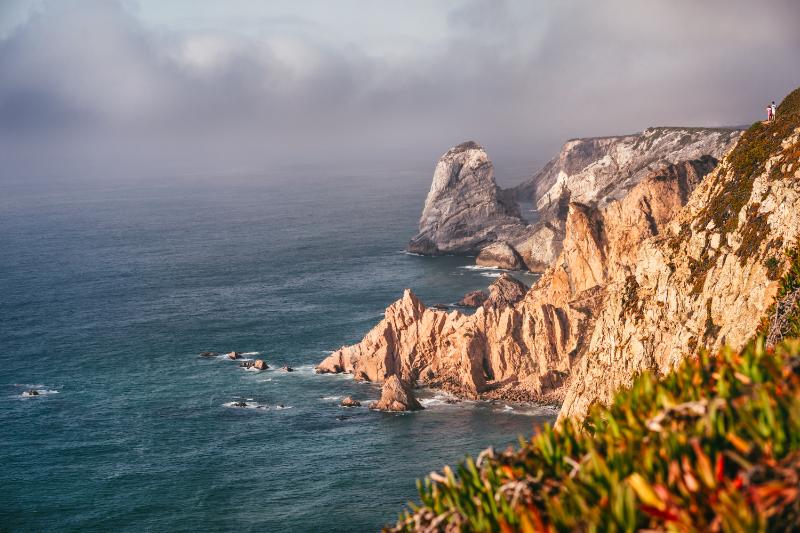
(772, 109)
(769, 113)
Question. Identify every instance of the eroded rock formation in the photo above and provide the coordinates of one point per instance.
(522, 344)
(465, 209)
(467, 213)
(710, 278)
(396, 396)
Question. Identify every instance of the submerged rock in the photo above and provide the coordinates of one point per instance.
(240, 404)
(208, 354)
(473, 299)
(350, 402)
(260, 364)
(395, 396)
(32, 392)
(287, 368)
(233, 355)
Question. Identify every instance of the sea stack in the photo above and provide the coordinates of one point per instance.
(396, 397)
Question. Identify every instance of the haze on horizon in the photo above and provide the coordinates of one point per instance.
(151, 88)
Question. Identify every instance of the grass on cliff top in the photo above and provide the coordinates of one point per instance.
(713, 446)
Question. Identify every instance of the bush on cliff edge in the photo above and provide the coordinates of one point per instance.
(713, 446)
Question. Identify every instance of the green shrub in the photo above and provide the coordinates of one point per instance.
(715, 445)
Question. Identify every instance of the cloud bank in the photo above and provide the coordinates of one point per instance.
(91, 88)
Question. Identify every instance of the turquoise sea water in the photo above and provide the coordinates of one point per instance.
(109, 291)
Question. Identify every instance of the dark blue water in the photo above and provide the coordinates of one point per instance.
(109, 291)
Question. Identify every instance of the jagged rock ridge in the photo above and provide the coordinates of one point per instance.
(711, 277)
(466, 213)
(525, 348)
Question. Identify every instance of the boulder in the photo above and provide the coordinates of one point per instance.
(208, 354)
(500, 255)
(287, 368)
(260, 364)
(32, 392)
(395, 396)
(350, 402)
(473, 299)
(233, 355)
(505, 291)
(240, 404)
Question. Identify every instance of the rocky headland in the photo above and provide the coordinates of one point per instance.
(467, 213)
(652, 267)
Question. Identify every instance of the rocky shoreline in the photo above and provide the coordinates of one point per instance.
(577, 334)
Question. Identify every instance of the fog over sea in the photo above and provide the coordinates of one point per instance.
(109, 291)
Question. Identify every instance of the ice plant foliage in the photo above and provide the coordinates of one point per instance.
(713, 446)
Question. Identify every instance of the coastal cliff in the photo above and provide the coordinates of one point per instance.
(709, 279)
(524, 348)
(467, 213)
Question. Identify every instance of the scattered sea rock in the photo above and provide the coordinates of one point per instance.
(396, 397)
(32, 392)
(240, 404)
(260, 364)
(473, 299)
(208, 354)
(452, 401)
(440, 307)
(233, 355)
(343, 417)
(350, 402)
(287, 368)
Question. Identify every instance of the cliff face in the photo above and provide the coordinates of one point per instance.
(602, 169)
(524, 349)
(465, 209)
(711, 276)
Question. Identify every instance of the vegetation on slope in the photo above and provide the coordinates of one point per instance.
(713, 446)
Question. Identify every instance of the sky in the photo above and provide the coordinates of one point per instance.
(160, 88)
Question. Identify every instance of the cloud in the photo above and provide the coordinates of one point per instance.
(89, 88)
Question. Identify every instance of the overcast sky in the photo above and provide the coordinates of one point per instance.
(162, 88)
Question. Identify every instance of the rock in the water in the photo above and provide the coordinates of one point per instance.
(32, 392)
(473, 299)
(350, 402)
(500, 255)
(246, 364)
(525, 351)
(260, 364)
(240, 404)
(233, 355)
(208, 354)
(440, 307)
(287, 368)
(505, 291)
(395, 396)
(465, 209)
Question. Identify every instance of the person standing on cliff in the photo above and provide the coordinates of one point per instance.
(769, 113)
(772, 109)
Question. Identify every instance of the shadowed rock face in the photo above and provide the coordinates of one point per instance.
(523, 344)
(466, 213)
(465, 209)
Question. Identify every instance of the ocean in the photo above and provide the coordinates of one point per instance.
(109, 291)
